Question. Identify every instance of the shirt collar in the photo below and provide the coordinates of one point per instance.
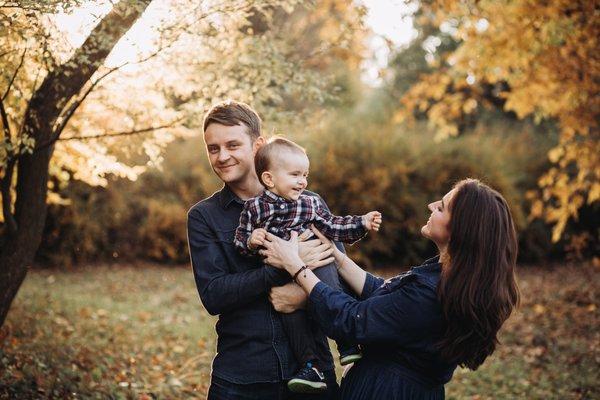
(274, 198)
(431, 265)
(227, 197)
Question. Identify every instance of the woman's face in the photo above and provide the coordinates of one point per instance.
(436, 228)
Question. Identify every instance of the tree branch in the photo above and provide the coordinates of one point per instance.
(5, 185)
(5, 125)
(14, 75)
(124, 133)
(64, 120)
(35, 82)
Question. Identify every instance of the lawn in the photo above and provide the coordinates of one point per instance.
(139, 332)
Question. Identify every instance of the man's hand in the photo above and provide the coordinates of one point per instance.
(315, 253)
(287, 298)
(257, 238)
(372, 220)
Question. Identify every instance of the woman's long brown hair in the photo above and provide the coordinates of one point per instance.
(477, 288)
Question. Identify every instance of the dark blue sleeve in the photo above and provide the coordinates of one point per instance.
(372, 282)
(338, 244)
(219, 289)
(400, 316)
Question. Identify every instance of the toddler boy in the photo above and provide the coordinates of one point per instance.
(282, 167)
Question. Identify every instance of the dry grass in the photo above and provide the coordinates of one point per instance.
(140, 332)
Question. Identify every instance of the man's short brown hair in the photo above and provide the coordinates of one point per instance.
(263, 160)
(232, 113)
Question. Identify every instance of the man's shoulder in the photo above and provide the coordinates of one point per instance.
(206, 204)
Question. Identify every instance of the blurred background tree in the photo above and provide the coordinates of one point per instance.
(535, 60)
(71, 112)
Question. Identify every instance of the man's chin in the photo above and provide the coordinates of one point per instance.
(228, 177)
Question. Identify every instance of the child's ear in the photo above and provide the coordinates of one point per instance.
(267, 178)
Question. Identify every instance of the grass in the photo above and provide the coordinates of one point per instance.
(126, 332)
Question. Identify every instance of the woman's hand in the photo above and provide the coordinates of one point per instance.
(335, 252)
(314, 253)
(287, 298)
(282, 254)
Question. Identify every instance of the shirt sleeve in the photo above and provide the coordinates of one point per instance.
(337, 243)
(372, 282)
(399, 317)
(219, 289)
(348, 229)
(244, 230)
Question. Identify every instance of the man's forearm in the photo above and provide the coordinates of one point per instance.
(230, 291)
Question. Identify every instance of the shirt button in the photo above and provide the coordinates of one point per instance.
(282, 206)
(357, 316)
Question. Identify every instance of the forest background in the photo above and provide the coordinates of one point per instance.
(126, 198)
(506, 92)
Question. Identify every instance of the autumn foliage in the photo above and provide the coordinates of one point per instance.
(535, 59)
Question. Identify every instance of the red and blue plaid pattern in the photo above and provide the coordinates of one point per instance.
(280, 217)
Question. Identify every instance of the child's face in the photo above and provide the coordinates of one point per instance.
(290, 173)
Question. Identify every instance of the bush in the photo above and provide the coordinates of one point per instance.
(356, 166)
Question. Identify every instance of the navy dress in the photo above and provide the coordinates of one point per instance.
(397, 322)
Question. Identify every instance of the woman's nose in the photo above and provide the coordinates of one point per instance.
(431, 206)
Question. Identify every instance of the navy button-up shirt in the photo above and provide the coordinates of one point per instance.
(397, 321)
(252, 346)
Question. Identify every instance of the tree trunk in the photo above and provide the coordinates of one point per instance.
(46, 105)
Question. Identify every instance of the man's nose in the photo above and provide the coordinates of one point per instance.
(223, 155)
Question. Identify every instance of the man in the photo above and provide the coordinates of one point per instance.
(254, 359)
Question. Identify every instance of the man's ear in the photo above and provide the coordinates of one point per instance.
(258, 143)
(267, 179)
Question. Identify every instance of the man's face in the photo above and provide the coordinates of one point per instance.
(230, 152)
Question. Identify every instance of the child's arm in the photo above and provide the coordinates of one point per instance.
(245, 229)
(346, 229)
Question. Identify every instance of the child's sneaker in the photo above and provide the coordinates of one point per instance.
(348, 356)
(308, 380)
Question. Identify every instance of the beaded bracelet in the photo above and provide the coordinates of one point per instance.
(302, 268)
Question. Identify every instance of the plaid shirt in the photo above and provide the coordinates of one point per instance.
(280, 217)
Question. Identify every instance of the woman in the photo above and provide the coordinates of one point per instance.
(417, 327)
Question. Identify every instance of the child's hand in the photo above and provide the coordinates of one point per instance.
(257, 238)
(372, 220)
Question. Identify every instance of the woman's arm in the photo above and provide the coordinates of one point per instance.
(354, 275)
(401, 316)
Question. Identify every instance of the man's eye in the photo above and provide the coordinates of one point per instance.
(213, 150)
